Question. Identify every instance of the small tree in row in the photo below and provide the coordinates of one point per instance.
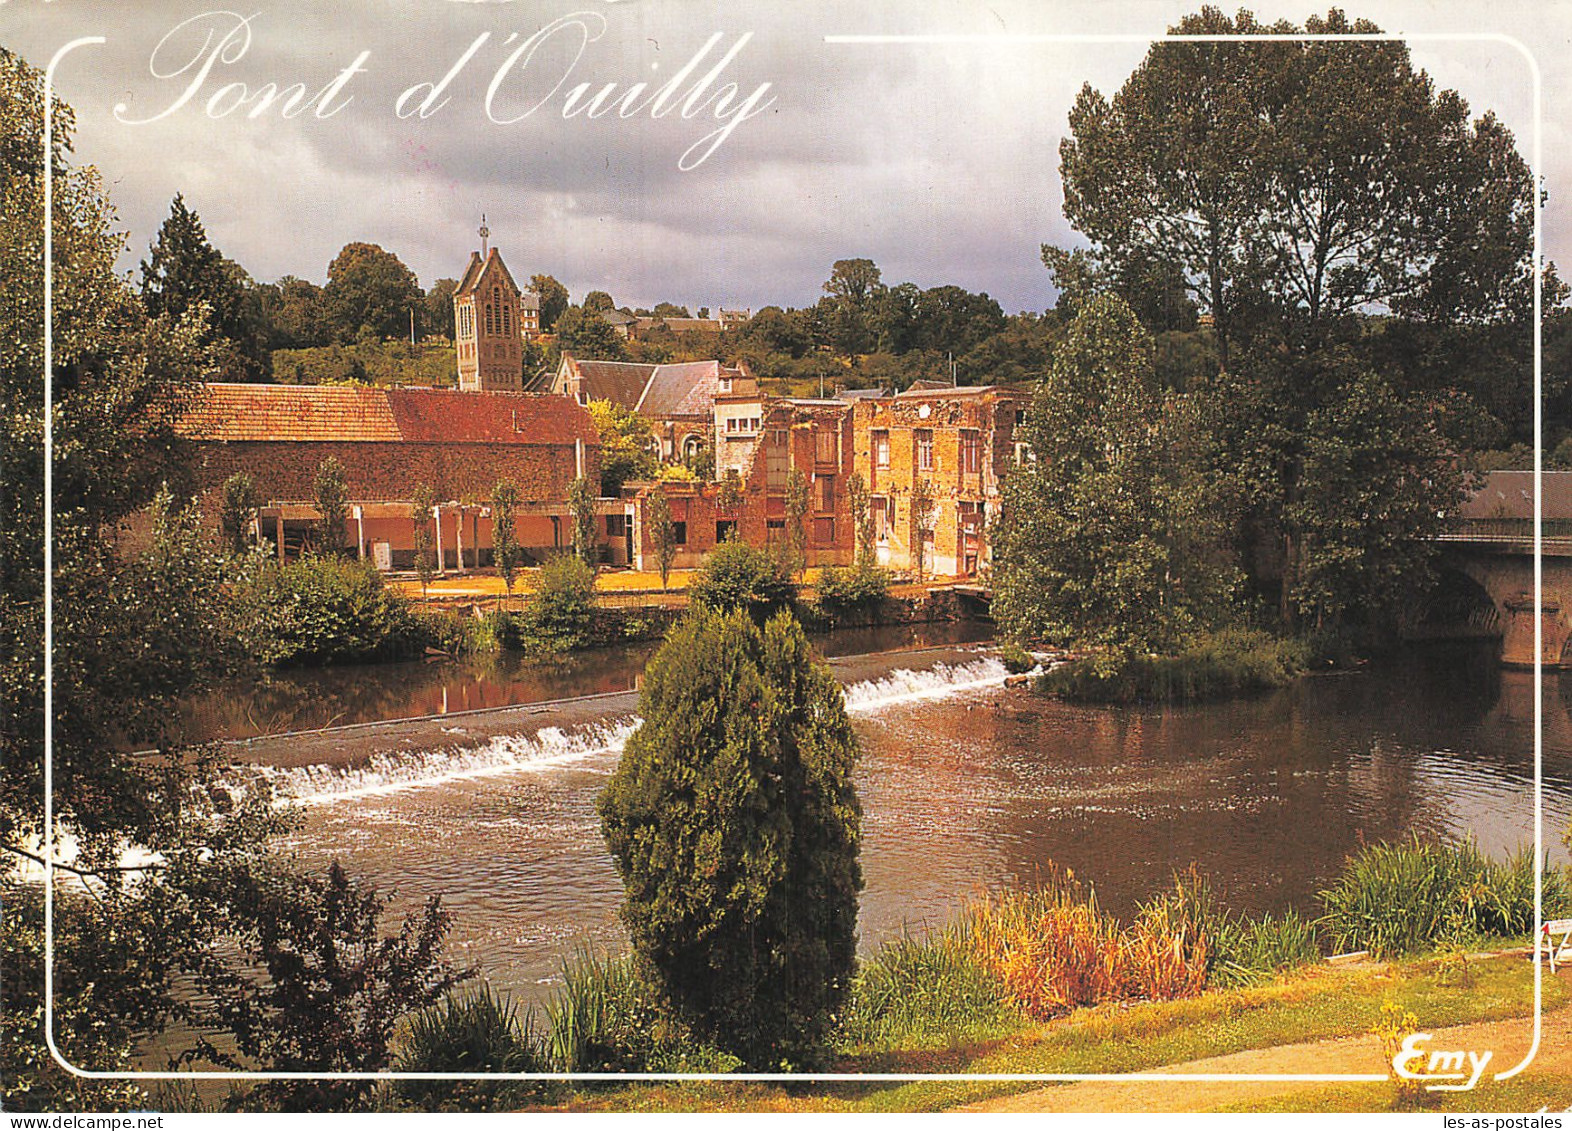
(663, 533)
(425, 560)
(504, 532)
(331, 490)
(237, 520)
(581, 502)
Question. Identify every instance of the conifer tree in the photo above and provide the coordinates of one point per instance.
(734, 824)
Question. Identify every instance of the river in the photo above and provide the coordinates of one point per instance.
(967, 785)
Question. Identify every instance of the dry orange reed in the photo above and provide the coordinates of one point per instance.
(1053, 950)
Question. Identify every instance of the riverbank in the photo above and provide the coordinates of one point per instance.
(1313, 1021)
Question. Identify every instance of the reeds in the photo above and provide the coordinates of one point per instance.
(1404, 896)
(1053, 950)
(922, 991)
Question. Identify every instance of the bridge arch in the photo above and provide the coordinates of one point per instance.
(1508, 581)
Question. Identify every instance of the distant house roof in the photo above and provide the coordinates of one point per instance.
(620, 382)
(686, 389)
(616, 317)
(1510, 494)
(343, 414)
(860, 394)
(684, 325)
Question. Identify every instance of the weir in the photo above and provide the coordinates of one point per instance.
(552, 746)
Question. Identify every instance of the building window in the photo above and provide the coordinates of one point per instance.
(725, 384)
(881, 449)
(679, 534)
(824, 446)
(777, 458)
(1024, 453)
(971, 451)
(824, 531)
(616, 525)
(507, 319)
(924, 438)
(879, 511)
(489, 317)
(826, 492)
(724, 529)
(774, 530)
(690, 448)
(1020, 417)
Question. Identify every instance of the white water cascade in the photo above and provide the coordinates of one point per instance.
(553, 748)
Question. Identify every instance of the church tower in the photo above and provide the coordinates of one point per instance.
(490, 323)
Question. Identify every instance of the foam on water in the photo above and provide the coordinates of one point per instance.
(553, 748)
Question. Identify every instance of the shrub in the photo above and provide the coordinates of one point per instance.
(923, 991)
(736, 575)
(559, 615)
(471, 1031)
(858, 587)
(1016, 659)
(323, 610)
(734, 824)
(1215, 665)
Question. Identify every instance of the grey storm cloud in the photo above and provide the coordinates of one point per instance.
(937, 161)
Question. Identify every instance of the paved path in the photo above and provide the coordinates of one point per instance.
(1508, 1040)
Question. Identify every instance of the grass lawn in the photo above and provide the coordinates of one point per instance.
(1317, 1003)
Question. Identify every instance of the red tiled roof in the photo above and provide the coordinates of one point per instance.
(338, 414)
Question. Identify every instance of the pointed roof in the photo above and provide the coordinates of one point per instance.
(477, 269)
(684, 389)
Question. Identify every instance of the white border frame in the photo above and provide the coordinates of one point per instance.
(1536, 170)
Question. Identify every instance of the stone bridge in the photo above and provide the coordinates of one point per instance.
(1496, 555)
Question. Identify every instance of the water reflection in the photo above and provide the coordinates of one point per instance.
(310, 699)
(1267, 795)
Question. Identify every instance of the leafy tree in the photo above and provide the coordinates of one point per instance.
(331, 491)
(185, 273)
(242, 500)
(794, 546)
(736, 575)
(669, 310)
(423, 506)
(626, 446)
(369, 293)
(598, 302)
(733, 821)
(584, 333)
(292, 314)
(854, 282)
(133, 633)
(581, 501)
(319, 943)
(862, 517)
(1103, 537)
(504, 532)
(553, 299)
(663, 535)
(1304, 178)
(437, 310)
(560, 613)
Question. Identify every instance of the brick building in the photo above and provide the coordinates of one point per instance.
(962, 442)
(678, 400)
(391, 442)
(492, 319)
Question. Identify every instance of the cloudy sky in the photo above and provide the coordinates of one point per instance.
(939, 161)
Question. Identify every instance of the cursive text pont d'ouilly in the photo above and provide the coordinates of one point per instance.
(192, 51)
